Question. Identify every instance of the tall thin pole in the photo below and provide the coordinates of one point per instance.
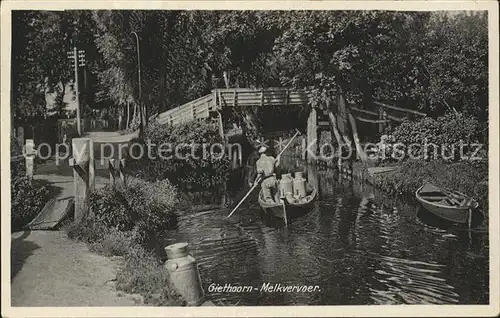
(141, 128)
(78, 124)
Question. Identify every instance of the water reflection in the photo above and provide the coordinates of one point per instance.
(358, 245)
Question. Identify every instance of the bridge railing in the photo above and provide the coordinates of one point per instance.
(241, 97)
(233, 97)
(198, 109)
(268, 97)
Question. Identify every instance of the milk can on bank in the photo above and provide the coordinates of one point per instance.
(184, 273)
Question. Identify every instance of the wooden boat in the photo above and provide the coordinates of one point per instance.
(293, 209)
(447, 204)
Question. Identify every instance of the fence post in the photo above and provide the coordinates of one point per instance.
(30, 157)
(20, 136)
(91, 166)
(80, 164)
(381, 117)
(115, 170)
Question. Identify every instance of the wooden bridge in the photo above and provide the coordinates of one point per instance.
(204, 107)
(233, 97)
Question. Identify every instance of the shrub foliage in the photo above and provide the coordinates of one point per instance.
(200, 163)
(447, 133)
(28, 198)
(152, 204)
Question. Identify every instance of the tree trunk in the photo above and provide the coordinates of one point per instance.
(134, 117)
(120, 117)
(128, 115)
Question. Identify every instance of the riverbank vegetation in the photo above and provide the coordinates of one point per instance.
(456, 157)
(28, 196)
(125, 221)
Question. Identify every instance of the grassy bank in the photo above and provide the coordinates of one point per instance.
(125, 221)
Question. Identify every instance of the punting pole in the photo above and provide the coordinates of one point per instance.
(284, 212)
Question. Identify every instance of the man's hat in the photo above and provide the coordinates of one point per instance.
(262, 149)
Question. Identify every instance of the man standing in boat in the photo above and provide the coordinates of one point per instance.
(265, 172)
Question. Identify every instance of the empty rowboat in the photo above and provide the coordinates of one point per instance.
(446, 204)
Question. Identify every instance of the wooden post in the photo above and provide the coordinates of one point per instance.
(312, 135)
(80, 164)
(30, 157)
(359, 150)
(77, 94)
(221, 126)
(380, 117)
(20, 136)
(215, 99)
(115, 170)
(384, 118)
(333, 123)
(91, 166)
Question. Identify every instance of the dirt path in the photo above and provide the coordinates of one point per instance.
(49, 269)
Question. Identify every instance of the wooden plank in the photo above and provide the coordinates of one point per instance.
(364, 111)
(399, 109)
(372, 121)
(52, 214)
(381, 170)
(398, 119)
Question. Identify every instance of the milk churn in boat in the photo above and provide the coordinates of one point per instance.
(299, 185)
(286, 185)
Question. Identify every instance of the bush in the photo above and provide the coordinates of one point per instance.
(28, 198)
(192, 173)
(89, 230)
(466, 177)
(122, 207)
(15, 149)
(447, 131)
(111, 208)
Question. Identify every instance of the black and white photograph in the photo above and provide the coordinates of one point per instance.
(279, 159)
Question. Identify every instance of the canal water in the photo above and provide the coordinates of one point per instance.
(357, 245)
